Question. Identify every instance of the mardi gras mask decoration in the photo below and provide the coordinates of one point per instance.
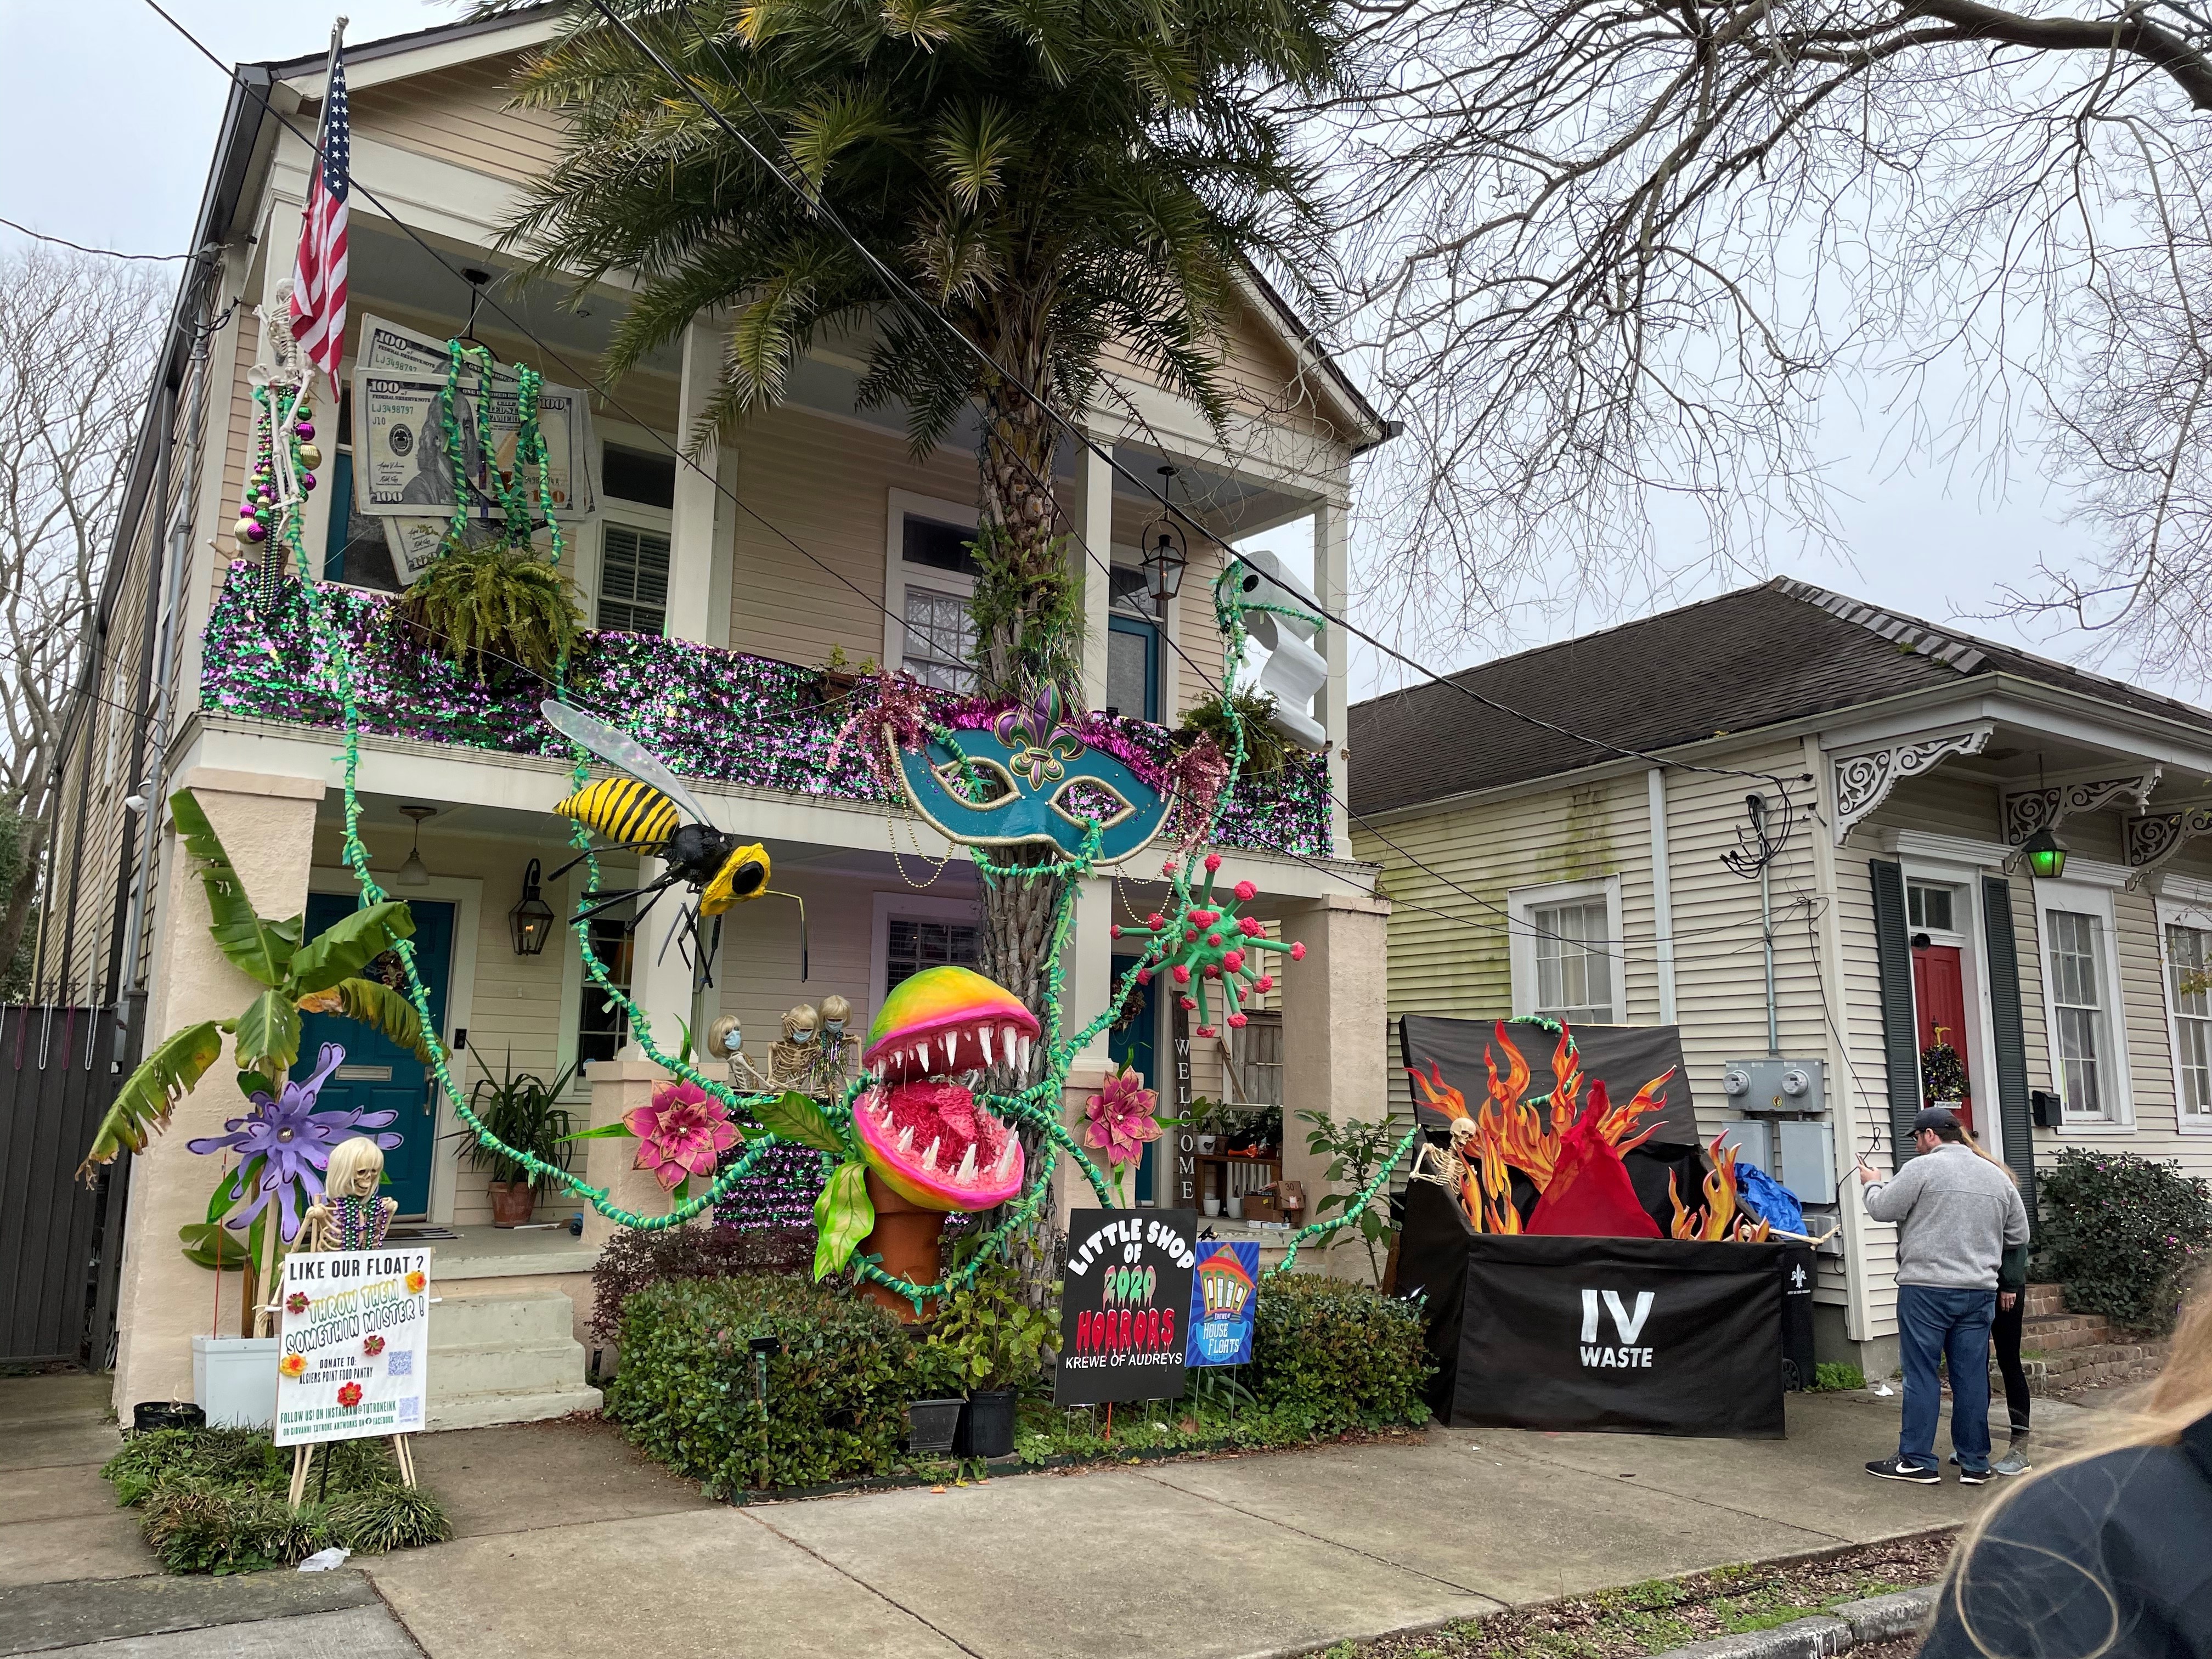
(1028, 776)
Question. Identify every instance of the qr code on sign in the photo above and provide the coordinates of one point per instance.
(410, 1410)
(401, 1364)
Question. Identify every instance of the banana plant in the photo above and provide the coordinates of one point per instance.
(320, 976)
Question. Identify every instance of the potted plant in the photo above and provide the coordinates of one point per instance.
(524, 1111)
(841, 677)
(496, 610)
(995, 1341)
(1210, 1116)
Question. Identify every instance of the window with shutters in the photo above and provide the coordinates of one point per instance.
(2089, 1051)
(1566, 950)
(633, 580)
(915, 942)
(2189, 1013)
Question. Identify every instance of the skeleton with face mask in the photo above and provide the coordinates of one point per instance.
(791, 1063)
(837, 1054)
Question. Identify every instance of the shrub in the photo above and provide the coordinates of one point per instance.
(988, 1335)
(1833, 1376)
(2121, 1233)
(633, 1260)
(837, 1390)
(1336, 1355)
(214, 1500)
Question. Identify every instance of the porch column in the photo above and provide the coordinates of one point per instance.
(662, 981)
(691, 534)
(1335, 1042)
(267, 826)
(1089, 511)
(1333, 584)
(1088, 985)
(617, 1088)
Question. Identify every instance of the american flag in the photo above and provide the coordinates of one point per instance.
(318, 272)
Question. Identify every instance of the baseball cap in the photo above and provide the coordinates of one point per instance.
(1935, 1117)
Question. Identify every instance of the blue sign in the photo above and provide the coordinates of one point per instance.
(1224, 1296)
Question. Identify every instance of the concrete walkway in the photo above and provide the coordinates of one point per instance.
(571, 1544)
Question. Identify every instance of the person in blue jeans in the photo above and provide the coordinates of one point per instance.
(1957, 1214)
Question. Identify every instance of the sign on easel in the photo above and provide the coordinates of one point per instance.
(1124, 1306)
(354, 1345)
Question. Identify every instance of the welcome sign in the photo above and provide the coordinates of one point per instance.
(354, 1345)
(1124, 1305)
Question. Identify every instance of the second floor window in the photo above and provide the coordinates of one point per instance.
(1574, 969)
(633, 580)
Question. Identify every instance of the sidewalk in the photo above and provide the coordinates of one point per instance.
(571, 1545)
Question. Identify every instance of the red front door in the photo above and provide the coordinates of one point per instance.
(1939, 1000)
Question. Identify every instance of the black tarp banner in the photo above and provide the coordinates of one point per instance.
(1625, 1057)
(1648, 1336)
(1125, 1305)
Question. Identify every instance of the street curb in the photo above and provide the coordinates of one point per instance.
(1847, 1626)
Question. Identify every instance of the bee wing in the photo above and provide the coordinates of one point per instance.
(622, 751)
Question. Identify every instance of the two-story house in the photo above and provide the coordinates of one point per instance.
(717, 591)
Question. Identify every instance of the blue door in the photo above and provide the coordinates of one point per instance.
(1132, 668)
(1130, 1043)
(378, 1075)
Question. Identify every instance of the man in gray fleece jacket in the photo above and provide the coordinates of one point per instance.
(1958, 1213)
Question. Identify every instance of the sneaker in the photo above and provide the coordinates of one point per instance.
(1974, 1477)
(1896, 1468)
(2013, 1463)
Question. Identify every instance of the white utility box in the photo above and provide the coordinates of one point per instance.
(234, 1380)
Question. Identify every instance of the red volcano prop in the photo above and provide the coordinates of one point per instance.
(1590, 1194)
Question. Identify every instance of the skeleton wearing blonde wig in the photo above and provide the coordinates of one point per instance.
(349, 1216)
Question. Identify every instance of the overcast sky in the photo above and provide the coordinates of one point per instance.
(108, 120)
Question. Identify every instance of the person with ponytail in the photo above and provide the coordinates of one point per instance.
(2106, 1554)
(2006, 1329)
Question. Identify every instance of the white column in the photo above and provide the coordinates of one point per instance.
(1662, 890)
(1332, 583)
(1091, 515)
(661, 982)
(691, 537)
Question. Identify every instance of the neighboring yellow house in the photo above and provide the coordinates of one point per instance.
(831, 537)
(1531, 873)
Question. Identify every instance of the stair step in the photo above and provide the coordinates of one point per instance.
(483, 1316)
(482, 1411)
(515, 1368)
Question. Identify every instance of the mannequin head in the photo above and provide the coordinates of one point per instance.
(355, 1168)
(799, 1024)
(836, 1014)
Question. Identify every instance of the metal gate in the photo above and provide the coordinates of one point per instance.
(56, 1282)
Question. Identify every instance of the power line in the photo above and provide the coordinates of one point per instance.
(103, 252)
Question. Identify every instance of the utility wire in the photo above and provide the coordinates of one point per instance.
(103, 252)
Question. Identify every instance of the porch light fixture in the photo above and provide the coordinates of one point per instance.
(1166, 552)
(532, 920)
(415, 872)
(2046, 854)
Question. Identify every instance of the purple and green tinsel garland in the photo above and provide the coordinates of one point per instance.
(709, 713)
(780, 1193)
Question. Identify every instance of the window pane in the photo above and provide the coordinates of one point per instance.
(1930, 906)
(913, 945)
(2192, 1018)
(601, 1027)
(2078, 1016)
(1128, 674)
(1574, 969)
(940, 640)
(1127, 594)
(633, 580)
(638, 475)
(937, 545)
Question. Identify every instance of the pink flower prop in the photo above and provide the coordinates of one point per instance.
(684, 1131)
(1120, 1115)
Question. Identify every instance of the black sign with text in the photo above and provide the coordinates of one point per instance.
(1125, 1300)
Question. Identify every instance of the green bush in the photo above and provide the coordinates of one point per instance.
(214, 1500)
(837, 1391)
(2122, 1234)
(1334, 1356)
(1833, 1376)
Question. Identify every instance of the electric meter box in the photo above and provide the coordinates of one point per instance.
(1775, 1086)
(1809, 1159)
(1753, 1141)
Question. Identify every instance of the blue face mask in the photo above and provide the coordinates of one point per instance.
(1038, 782)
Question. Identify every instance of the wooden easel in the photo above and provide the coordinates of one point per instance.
(303, 1458)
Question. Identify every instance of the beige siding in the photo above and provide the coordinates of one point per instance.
(463, 115)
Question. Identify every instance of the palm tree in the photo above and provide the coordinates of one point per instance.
(1050, 178)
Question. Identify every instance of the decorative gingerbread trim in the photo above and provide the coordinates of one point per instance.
(2027, 810)
(1863, 780)
(2153, 838)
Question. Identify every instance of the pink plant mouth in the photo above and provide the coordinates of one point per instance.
(937, 1146)
(955, 1044)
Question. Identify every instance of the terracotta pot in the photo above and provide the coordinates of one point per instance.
(512, 1201)
(906, 1236)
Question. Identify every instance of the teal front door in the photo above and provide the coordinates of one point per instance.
(1130, 1043)
(378, 1075)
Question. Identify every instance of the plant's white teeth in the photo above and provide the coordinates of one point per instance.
(906, 1138)
(984, 1035)
(921, 1060)
(1023, 1051)
(1006, 1043)
(967, 1171)
(952, 1042)
(1004, 1166)
(929, 1158)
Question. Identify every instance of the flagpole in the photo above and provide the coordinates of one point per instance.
(330, 76)
(291, 497)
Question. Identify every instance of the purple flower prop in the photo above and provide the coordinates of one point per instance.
(284, 1145)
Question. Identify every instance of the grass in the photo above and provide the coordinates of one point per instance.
(1664, 1614)
(214, 1500)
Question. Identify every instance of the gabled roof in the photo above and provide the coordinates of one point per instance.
(1756, 657)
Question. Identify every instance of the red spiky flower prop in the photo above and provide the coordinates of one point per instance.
(1215, 942)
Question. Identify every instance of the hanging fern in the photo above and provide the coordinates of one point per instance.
(494, 610)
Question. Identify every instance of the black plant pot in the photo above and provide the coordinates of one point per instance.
(986, 1427)
(149, 1414)
(933, 1425)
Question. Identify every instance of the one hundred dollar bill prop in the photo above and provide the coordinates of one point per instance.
(401, 470)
